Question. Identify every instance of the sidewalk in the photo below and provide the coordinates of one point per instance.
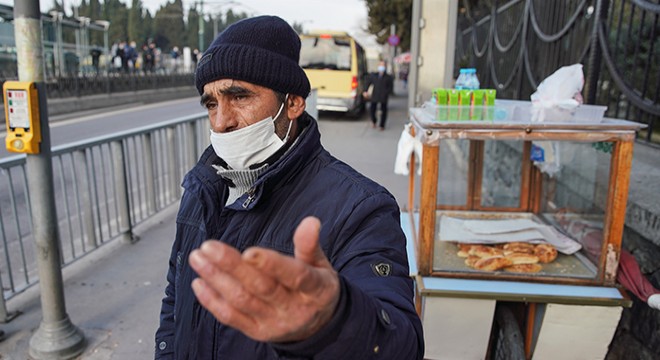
(113, 295)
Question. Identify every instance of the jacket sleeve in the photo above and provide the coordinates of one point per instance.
(184, 239)
(368, 82)
(376, 316)
(390, 85)
(165, 333)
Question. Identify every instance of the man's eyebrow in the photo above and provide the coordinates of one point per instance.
(235, 90)
(231, 90)
(205, 98)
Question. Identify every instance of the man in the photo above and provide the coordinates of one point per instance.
(383, 85)
(309, 261)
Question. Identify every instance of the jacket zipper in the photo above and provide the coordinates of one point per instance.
(251, 194)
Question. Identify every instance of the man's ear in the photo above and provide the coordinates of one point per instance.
(295, 106)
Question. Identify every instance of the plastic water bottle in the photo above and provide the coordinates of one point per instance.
(461, 81)
(472, 82)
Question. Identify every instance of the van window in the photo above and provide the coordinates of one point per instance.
(325, 53)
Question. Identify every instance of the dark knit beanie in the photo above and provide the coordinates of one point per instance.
(262, 50)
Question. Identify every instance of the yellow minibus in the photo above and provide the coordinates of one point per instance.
(336, 66)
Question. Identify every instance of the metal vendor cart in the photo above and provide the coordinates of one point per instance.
(508, 181)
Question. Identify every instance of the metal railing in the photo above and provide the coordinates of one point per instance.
(516, 44)
(103, 187)
(92, 84)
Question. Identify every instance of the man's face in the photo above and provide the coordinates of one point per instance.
(234, 104)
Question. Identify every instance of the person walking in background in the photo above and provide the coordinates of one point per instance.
(310, 258)
(383, 85)
(96, 55)
(132, 56)
(149, 57)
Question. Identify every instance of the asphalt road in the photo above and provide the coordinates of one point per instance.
(79, 126)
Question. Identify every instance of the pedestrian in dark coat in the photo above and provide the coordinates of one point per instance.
(383, 86)
(310, 260)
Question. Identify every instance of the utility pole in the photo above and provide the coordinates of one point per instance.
(392, 50)
(57, 337)
(200, 31)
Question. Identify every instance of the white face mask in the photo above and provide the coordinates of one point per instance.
(250, 145)
(381, 69)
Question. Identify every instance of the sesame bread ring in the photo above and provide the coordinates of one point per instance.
(546, 253)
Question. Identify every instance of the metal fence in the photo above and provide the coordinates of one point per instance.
(516, 44)
(108, 83)
(103, 187)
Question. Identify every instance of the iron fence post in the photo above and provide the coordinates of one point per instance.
(192, 154)
(121, 192)
(172, 155)
(80, 157)
(5, 316)
(595, 53)
(149, 174)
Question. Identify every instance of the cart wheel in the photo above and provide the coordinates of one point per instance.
(508, 340)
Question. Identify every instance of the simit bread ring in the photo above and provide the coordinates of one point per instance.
(519, 247)
(546, 253)
(483, 251)
(471, 260)
(492, 263)
(518, 258)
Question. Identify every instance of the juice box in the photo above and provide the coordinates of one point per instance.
(477, 104)
(453, 104)
(490, 103)
(442, 99)
(464, 100)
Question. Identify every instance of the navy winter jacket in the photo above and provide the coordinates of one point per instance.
(360, 234)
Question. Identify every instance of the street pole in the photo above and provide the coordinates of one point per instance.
(414, 53)
(56, 337)
(200, 31)
(392, 50)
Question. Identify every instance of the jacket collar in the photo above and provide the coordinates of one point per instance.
(306, 146)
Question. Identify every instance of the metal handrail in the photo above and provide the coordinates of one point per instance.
(104, 186)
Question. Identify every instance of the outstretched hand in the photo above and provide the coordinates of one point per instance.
(268, 296)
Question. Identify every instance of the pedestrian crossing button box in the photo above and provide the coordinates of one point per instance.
(22, 116)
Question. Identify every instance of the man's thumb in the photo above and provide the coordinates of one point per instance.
(306, 242)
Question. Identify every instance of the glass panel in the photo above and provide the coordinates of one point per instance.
(463, 256)
(501, 181)
(575, 199)
(325, 52)
(453, 172)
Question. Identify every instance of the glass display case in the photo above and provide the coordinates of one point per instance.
(545, 200)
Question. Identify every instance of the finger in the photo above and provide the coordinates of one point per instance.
(220, 308)
(293, 274)
(219, 254)
(306, 242)
(225, 270)
(281, 268)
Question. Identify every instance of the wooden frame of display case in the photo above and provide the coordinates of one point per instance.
(431, 133)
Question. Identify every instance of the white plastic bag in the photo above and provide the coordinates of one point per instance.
(406, 147)
(558, 95)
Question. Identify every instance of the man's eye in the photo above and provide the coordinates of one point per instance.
(239, 97)
(210, 105)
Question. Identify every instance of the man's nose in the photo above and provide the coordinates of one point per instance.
(222, 121)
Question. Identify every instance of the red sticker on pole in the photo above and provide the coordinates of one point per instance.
(393, 40)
